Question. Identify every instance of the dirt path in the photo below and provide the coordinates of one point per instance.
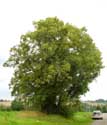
(101, 122)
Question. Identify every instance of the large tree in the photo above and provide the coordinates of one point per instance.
(53, 64)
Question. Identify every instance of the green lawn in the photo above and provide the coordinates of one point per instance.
(34, 118)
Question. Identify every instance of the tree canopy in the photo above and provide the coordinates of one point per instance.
(53, 64)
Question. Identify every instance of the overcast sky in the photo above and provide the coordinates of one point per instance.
(16, 18)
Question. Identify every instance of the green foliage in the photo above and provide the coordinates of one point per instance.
(53, 64)
(17, 105)
(66, 111)
(104, 108)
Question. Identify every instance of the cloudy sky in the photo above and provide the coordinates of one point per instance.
(16, 18)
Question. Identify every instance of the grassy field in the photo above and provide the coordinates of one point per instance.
(5, 103)
(36, 118)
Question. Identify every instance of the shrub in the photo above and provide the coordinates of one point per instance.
(67, 110)
(17, 105)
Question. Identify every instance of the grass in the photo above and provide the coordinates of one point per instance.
(37, 118)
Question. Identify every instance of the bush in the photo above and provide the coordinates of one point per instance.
(5, 108)
(17, 105)
(66, 111)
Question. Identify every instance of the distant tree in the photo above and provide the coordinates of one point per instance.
(53, 64)
(98, 107)
(100, 101)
